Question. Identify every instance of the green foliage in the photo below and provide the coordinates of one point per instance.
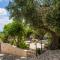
(48, 38)
(24, 9)
(53, 17)
(14, 29)
(16, 33)
(32, 14)
(3, 37)
(29, 32)
(13, 42)
(22, 45)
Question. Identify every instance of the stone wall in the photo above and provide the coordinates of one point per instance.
(14, 53)
(9, 49)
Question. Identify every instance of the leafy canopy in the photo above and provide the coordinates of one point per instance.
(14, 29)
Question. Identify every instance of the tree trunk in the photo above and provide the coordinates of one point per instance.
(55, 44)
(55, 41)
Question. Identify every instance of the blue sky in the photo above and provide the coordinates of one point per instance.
(4, 15)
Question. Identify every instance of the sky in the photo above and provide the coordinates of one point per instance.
(4, 15)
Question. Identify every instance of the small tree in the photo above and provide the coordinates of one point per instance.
(17, 33)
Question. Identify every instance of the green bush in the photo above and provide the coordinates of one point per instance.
(22, 45)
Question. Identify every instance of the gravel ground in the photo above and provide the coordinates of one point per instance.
(48, 55)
